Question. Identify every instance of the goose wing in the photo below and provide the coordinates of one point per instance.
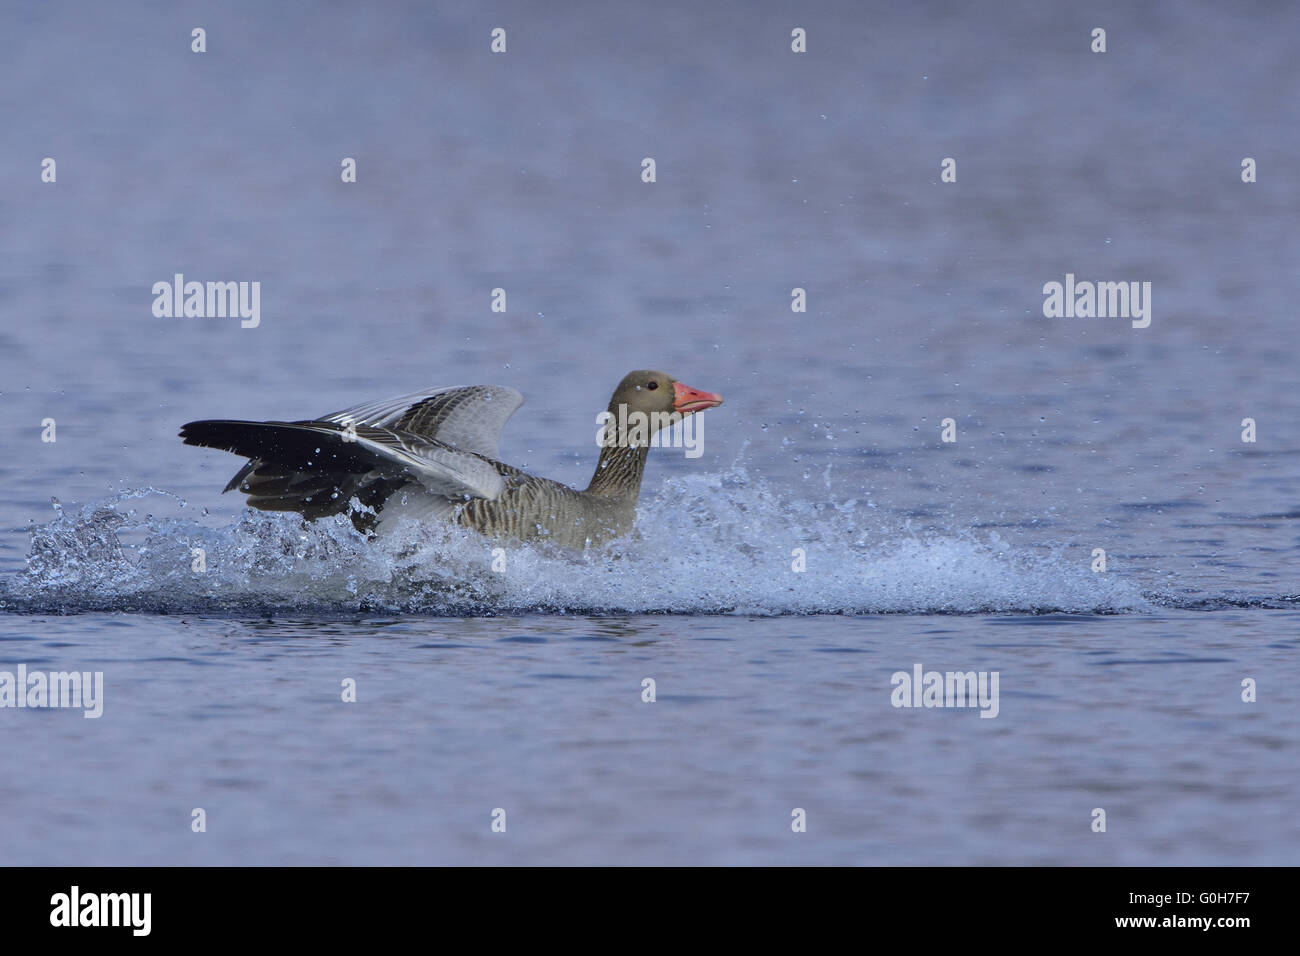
(467, 417)
(301, 450)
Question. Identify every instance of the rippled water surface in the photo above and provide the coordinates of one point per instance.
(521, 688)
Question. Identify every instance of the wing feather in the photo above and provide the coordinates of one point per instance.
(327, 447)
(468, 417)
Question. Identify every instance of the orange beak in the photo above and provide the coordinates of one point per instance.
(687, 399)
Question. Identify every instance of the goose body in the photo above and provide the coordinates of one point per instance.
(432, 455)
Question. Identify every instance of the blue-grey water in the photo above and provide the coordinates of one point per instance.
(522, 689)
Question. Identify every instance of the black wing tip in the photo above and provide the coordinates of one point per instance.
(190, 431)
(201, 432)
(221, 434)
(220, 429)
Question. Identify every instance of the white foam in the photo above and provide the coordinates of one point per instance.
(717, 543)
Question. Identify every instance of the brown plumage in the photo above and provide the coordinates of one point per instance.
(433, 455)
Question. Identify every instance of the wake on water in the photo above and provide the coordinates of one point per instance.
(705, 544)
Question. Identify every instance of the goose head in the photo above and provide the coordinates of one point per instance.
(644, 403)
(658, 399)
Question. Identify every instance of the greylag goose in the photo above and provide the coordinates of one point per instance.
(432, 455)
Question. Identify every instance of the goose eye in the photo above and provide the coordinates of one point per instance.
(652, 385)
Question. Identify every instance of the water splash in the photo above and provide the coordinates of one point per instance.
(719, 543)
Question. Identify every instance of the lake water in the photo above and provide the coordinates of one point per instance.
(522, 689)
